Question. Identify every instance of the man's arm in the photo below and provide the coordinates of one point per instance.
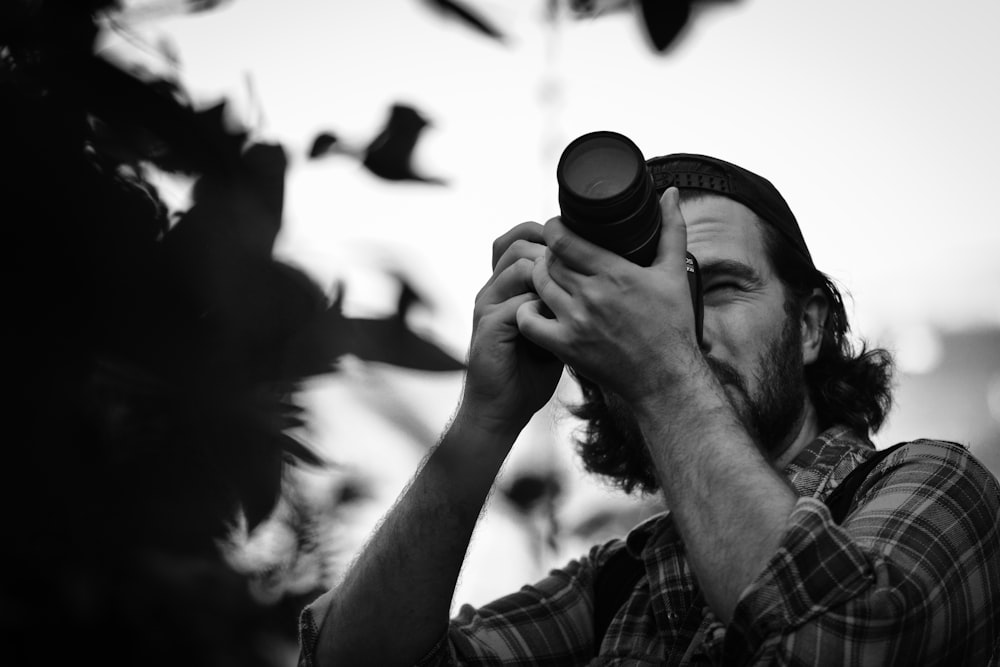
(394, 601)
(730, 504)
(630, 329)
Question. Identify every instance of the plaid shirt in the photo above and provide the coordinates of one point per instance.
(912, 577)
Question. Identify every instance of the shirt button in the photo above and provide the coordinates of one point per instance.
(673, 616)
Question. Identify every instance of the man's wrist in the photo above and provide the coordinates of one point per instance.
(687, 384)
(472, 442)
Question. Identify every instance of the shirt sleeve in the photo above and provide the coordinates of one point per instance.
(548, 623)
(911, 577)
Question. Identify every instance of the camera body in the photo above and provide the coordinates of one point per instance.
(607, 196)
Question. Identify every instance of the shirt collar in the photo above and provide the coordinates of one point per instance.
(817, 469)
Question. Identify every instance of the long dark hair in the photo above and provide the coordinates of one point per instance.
(847, 385)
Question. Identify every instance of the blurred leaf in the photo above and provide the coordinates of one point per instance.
(457, 10)
(352, 491)
(389, 340)
(299, 451)
(203, 5)
(144, 10)
(664, 20)
(322, 144)
(529, 490)
(390, 153)
(148, 117)
(592, 8)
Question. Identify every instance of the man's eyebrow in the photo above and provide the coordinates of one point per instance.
(730, 268)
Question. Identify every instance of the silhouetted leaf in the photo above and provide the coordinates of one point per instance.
(322, 144)
(390, 153)
(664, 20)
(160, 128)
(464, 14)
(300, 452)
(391, 340)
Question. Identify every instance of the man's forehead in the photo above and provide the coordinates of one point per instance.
(719, 228)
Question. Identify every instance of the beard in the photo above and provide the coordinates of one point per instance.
(612, 445)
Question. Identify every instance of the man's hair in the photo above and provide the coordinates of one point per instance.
(846, 386)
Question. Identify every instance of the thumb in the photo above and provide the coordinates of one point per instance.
(672, 247)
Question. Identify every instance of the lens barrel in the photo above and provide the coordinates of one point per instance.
(607, 196)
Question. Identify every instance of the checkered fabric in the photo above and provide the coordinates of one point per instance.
(911, 577)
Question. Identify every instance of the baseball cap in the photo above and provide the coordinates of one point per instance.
(690, 170)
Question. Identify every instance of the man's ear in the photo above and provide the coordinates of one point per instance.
(813, 323)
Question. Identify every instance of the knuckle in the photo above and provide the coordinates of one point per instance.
(559, 244)
(593, 295)
(579, 321)
(499, 246)
(521, 248)
(524, 266)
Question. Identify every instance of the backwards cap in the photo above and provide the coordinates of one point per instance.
(688, 170)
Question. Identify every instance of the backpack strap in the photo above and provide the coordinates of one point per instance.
(840, 500)
(613, 585)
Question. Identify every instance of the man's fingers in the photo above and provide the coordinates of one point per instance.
(552, 292)
(673, 234)
(516, 251)
(526, 231)
(514, 279)
(536, 325)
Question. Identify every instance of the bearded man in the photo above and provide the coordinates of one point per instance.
(747, 433)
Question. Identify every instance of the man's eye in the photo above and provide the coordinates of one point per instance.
(716, 288)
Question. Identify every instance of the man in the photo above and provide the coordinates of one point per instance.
(745, 434)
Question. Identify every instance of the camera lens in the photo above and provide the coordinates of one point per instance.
(606, 195)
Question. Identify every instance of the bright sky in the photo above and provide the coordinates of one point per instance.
(876, 120)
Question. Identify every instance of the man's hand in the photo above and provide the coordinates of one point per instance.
(628, 328)
(509, 379)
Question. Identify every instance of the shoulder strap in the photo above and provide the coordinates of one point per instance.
(840, 500)
(613, 584)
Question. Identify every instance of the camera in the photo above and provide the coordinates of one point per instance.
(607, 196)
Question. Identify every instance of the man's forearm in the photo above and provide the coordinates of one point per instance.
(394, 602)
(729, 503)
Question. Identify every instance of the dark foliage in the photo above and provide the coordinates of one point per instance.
(664, 22)
(389, 155)
(466, 16)
(323, 143)
(154, 364)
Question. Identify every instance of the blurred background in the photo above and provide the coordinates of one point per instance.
(875, 120)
